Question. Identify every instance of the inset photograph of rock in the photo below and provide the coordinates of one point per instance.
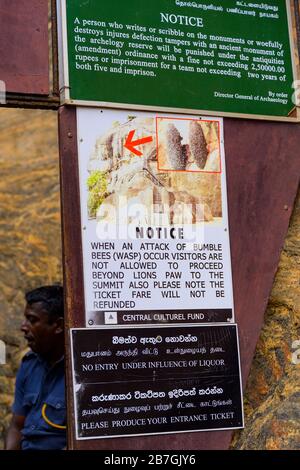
(188, 145)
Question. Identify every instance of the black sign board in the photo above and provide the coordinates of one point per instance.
(150, 380)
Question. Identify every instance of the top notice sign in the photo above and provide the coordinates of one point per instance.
(219, 57)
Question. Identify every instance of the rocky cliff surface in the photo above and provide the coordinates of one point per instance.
(177, 178)
(272, 398)
(30, 255)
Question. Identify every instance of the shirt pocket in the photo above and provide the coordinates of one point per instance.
(54, 413)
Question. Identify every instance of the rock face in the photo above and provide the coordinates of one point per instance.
(30, 255)
(198, 144)
(176, 153)
(30, 252)
(272, 399)
(147, 203)
(167, 179)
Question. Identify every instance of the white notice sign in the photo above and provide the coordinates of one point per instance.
(154, 218)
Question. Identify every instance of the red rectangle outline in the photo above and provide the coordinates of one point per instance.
(189, 119)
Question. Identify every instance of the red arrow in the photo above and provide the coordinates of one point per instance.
(131, 144)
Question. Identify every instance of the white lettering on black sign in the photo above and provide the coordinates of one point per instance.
(156, 380)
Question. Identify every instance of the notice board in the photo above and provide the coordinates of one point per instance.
(213, 57)
(160, 354)
(154, 220)
(155, 380)
(260, 205)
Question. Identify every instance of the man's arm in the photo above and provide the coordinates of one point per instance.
(14, 436)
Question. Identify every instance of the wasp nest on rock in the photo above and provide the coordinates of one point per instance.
(176, 156)
(198, 144)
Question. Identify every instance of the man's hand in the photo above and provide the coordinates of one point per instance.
(14, 436)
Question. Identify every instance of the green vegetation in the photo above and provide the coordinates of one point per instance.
(97, 187)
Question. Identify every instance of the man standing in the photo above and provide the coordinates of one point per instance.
(39, 411)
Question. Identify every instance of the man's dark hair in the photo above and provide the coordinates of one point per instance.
(51, 297)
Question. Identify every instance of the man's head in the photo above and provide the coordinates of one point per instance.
(43, 322)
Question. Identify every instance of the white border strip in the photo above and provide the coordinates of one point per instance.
(162, 109)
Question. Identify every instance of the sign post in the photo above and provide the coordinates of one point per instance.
(256, 238)
(169, 57)
(155, 243)
(152, 253)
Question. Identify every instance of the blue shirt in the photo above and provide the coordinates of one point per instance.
(37, 384)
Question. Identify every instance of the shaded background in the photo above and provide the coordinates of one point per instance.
(30, 251)
(30, 255)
